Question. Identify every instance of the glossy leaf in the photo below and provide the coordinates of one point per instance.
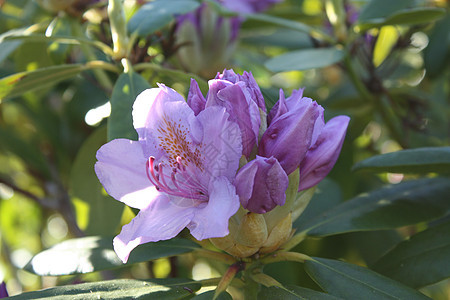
(104, 212)
(164, 289)
(421, 260)
(351, 281)
(292, 292)
(305, 59)
(435, 53)
(378, 9)
(157, 14)
(126, 89)
(419, 160)
(95, 253)
(19, 83)
(390, 207)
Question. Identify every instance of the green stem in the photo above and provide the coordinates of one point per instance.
(285, 256)
(376, 101)
(118, 24)
(90, 56)
(265, 280)
(100, 64)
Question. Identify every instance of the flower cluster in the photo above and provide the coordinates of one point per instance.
(198, 162)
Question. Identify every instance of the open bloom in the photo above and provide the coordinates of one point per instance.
(242, 99)
(299, 138)
(179, 174)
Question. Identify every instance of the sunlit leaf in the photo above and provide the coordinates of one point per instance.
(167, 288)
(126, 89)
(104, 213)
(305, 59)
(390, 207)
(419, 160)
(349, 281)
(387, 38)
(95, 253)
(421, 260)
(292, 292)
(157, 14)
(19, 83)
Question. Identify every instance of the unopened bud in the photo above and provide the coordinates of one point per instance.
(278, 236)
(252, 231)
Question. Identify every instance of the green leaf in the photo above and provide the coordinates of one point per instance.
(421, 260)
(349, 281)
(164, 289)
(126, 89)
(157, 14)
(435, 54)
(104, 212)
(305, 59)
(95, 253)
(328, 194)
(377, 9)
(316, 33)
(19, 83)
(390, 207)
(387, 38)
(412, 16)
(292, 292)
(419, 160)
(210, 295)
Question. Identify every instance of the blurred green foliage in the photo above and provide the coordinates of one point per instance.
(383, 63)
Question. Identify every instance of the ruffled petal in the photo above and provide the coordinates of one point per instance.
(160, 221)
(212, 220)
(168, 123)
(221, 145)
(122, 172)
(322, 156)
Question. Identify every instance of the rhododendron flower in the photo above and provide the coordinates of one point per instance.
(240, 96)
(179, 174)
(298, 137)
(261, 184)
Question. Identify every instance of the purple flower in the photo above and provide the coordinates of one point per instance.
(297, 136)
(179, 174)
(3, 291)
(261, 185)
(242, 99)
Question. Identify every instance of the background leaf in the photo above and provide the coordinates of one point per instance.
(168, 288)
(420, 160)
(95, 253)
(305, 59)
(349, 281)
(392, 206)
(104, 212)
(126, 89)
(421, 260)
(157, 14)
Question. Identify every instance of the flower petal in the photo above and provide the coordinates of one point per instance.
(288, 137)
(212, 220)
(221, 145)
(160, 221)
(195, 98)
(168, 123)
(322, 156)
(121, 170)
